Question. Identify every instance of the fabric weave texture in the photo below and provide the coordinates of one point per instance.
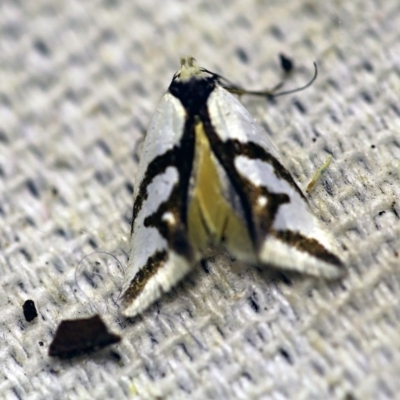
(79, 82)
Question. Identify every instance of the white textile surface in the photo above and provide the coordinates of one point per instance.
(79, 81)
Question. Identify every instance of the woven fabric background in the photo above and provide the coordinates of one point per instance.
(79, 81)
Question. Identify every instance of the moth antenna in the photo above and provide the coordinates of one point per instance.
(271, 93)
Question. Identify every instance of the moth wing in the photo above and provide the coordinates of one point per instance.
(233, 122)
(285, 232)
(165, 132)
(154, 265)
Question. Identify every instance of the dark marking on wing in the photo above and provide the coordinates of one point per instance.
(151, 267)
(267, 214)
(259, 220)
(181, 157)
(255, 151)
(155, 167)
(308, 245)
(175, 233)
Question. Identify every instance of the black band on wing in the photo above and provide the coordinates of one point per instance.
(150, 268)
(308, 245)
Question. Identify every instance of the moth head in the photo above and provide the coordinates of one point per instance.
(188, 70)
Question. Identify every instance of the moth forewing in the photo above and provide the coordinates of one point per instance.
(151, 263)
(158, 275)
(209, 177)
(233, 122)
(165, 131)
(277, 205)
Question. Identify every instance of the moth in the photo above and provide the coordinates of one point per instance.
(209, 178)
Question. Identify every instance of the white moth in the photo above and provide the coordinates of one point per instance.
(209, 177)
